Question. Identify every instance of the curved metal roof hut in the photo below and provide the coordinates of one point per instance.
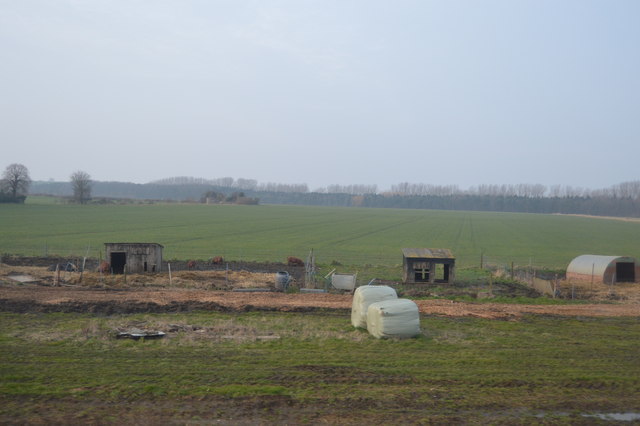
(603, 269)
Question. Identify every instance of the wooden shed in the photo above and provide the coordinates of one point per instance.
(136, 257)
(425, 265)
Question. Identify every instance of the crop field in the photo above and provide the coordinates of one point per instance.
(344, 235)
(295, 368)
(276, 358)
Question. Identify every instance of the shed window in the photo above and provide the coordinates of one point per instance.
(421, 273)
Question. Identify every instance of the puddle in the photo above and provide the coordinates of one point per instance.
(620, 417)
(25, 279)
(617, 417)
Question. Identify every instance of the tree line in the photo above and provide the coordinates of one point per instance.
(623, 190)
(229, 182)
(618, 200)
(525, 190)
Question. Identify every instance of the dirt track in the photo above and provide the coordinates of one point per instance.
(34, 298)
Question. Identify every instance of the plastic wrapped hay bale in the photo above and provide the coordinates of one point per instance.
(393, 318)
(365, 296)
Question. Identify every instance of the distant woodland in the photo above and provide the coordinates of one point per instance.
(619, 200)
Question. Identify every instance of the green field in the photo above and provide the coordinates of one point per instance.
(347, 235)
(314, 368)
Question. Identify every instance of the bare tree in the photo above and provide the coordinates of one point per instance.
(81, 183)
(15, 180)
(248, 184)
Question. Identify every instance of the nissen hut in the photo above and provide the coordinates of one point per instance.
(136, 257)
(603, 269)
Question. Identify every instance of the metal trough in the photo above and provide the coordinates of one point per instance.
(344, 281)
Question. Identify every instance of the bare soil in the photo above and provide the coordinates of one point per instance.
(212, 290)
(623, 219)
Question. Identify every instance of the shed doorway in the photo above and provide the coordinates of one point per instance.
(118, 262)
(441, 273)
(625, 272)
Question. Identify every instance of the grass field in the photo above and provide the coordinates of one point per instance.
(345, 235)
(69, 368)
(275, 367)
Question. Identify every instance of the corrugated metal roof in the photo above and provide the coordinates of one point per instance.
(427, 253)
(591, 263)
(135, 244)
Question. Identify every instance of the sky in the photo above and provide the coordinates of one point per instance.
(455, 92)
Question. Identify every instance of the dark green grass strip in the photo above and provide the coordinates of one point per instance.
(536, 365)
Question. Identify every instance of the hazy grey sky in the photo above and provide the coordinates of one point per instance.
(323, 92)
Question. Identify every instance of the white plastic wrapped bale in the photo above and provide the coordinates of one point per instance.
(365, 296)
(393, 318)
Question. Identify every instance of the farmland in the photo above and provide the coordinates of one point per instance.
(276, 358)
(346, 235)
(294, 368)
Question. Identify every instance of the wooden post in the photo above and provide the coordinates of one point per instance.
(84, 262)
(169, 266)
(56, 276)
(481, 260)
(491, 284)
(613, 277)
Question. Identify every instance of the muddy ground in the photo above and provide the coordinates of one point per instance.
(34, 289)
(30, 289)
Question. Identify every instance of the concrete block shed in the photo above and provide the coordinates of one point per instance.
(138, 257)
(425, 265)
(603, 269)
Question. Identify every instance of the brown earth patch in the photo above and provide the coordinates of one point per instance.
(623, 219)
(210, 290)
(35, 298)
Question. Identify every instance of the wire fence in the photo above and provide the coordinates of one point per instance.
(524, 269)
(323, 256)
(530, 264)
(228, 254)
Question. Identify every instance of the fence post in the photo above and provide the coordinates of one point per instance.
(56, 280)
(84, 262)
(573, 290)
(613, 276)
